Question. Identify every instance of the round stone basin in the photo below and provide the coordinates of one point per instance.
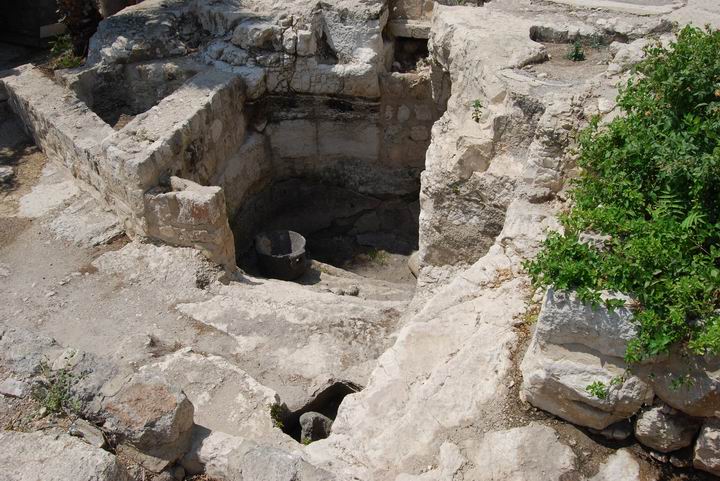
(281, 254)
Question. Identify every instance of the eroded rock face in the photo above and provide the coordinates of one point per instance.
(699, 395)
(529, 453)
(190, 214)
(621, 465)
(573, 346)
(707, 447)
(153, 420)
(224, 397)
(55, 457)
(664, 429)
(222, 456)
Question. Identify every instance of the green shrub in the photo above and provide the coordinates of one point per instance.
(576, 52)
(598, 389)
(62, 48)
(651, 180)
(56, 397)
(477, 110)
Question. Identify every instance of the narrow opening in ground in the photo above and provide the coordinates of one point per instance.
(313, 421)
(409, 52)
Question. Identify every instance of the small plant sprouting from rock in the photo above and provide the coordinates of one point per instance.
(56, 396)
(601, 391)
(680, 382)
(576, 52)
(532, 313)
(277, 412)
(598, 389)
(378, 256)
(455, 187)
(62, 47)
(306, 441)
(477, 110)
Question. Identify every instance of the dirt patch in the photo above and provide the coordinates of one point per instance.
(18, 152)
(560, 67)
(10, 228)
(382, 265)
(12, 56)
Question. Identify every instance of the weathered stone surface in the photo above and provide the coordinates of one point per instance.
(314, 426)
(142, 32)
(223, 456)
(225, 398)
(88, 432)
(448, 366)
(254, 34)
(6, 174)
(456, 225)
(14, 388)
(573, 346)
(707, 447)
(664, 429)
(48, 457)
(281, 327)
(529, 453)
(627, 55)
(414, 263)
(620, 465)
(489, 191)
(152, 418)
(25, 352)
(192, 215)
(36, 99)
(700, 395)
(565, 319)
(86, 222)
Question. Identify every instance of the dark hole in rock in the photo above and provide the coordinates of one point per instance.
(325, 401)
(408, 52)
(326, 53)
(339, 105)
(368, 235)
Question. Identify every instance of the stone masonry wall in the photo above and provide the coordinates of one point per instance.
(189, 133)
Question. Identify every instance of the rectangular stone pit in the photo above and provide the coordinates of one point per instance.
(188, 133)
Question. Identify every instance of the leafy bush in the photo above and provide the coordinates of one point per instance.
(62, 48)
(56, 397)
(477, 110)
(576, 52)
(651, 181)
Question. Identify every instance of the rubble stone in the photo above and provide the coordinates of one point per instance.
(48, 457)
(664, 429)
(707, 447)
(153, 421)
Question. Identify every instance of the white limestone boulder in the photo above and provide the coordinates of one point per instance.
(226, 457)
(664, 429)
(153, 421)
(621, 465)
(699, 393)
(528, 453)
(55, 457)
(707, 447)
(575, 345)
